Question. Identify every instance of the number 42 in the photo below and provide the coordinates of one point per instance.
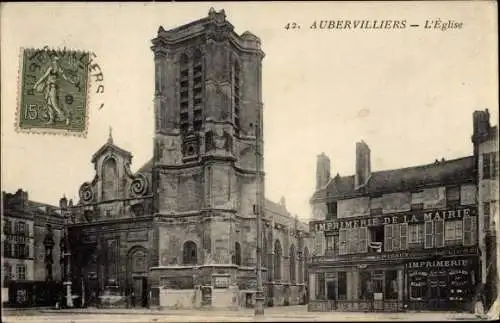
(292, 25)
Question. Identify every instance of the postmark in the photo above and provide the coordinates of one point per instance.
(53, 92)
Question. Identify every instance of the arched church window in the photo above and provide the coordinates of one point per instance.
(237, 254)
(109, 177)
(306, 262)
(190, 256)
(278, 252)
(292, 264)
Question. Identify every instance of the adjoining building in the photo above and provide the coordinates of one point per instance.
(30, 254)
(395, 239)
(181, 231)
(485, 140)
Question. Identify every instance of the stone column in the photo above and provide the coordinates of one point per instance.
(400, 285)
(312, 286)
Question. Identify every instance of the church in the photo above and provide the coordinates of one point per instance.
(181, 231)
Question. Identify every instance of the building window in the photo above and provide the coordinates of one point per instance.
(332, 211)
(190, 253)
(292, 264)
(21, 272)
(7, 226)
(353, 240)
(21, 228)
(277, 260)
(453, 196)
(469, 230)
(486, 215)
(342, 285)
(109, 177)
(21, 251)
(396, 237)
(7, 249)
(416, 233)
(453, 232)
(329, 242)
(439, 233)
(237, 254)
(7, 272)
(490, 165)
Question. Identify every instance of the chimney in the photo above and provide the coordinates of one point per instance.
(363, 164)
(481, 125)
(322, 171)
(283, 201)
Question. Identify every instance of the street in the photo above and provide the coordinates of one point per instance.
(276, 314)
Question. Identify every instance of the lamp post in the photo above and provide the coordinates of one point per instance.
(259, 295)
(65, 212)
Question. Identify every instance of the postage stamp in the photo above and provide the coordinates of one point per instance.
(52, 94)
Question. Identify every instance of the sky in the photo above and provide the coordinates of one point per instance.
(409, 94)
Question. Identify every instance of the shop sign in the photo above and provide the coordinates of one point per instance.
(407, 217)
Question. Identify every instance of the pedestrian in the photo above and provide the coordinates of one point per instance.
(132, 299)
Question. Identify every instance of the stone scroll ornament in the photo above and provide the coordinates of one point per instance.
(139, 186)
(86, 193)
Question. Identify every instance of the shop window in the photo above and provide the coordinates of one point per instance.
(418, 285)
(320, 286)
(190, 253)
(391, 284)
(366, 285)
(453, 232)
(342, 285)
(330, 290)
(470, 228)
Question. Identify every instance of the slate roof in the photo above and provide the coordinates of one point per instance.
(450, 171)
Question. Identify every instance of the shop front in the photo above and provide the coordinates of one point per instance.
(441, 283)
(358, 287)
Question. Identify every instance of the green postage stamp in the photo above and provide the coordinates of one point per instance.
(52, 97)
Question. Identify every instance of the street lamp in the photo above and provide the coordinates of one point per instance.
(259, 295)
(65, 212)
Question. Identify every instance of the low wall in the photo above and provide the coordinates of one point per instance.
(177, 298)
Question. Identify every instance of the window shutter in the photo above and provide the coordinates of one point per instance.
(428, 229)
(467, 238)
(439, 233)
(388, 237)
(473, 230)
(27, 251)
(403, 227)
(342, 241)
(396, 237)
(26, 230)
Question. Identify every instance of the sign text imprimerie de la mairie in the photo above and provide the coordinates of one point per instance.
(410, 218)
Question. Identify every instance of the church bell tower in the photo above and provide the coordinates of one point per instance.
(208, 109)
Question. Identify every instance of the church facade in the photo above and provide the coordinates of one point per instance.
(181, 231)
